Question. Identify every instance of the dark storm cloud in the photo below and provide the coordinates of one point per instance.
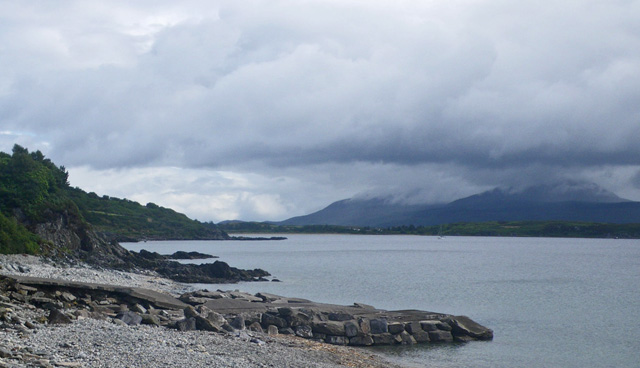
(468, 87)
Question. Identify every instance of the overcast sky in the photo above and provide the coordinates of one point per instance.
(263, 110)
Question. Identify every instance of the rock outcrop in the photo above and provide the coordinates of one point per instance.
(225, 312)
(70, 240)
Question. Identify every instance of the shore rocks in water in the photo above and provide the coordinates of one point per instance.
(189, 255)
(207, 273)
(356, 325)
(227, 312)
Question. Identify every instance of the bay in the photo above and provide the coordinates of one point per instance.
(551, 302)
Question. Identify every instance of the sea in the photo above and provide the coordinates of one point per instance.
(551, 302)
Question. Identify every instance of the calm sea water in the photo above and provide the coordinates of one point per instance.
(550, 302)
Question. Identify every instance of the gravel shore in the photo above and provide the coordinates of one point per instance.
(102, 343)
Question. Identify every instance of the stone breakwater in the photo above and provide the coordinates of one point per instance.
(356, 325)
(74, 321)
(28, 302)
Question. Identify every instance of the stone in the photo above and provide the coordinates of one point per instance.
(139, 309)
(351, 329)
(272, 330)
(271, 319)
(298, 318)
(205, 324)
(56, 317)
(30, 325)
(238, 322)
(149, 319)
(5, 353)
(190, 312)
(395, 328)
(384, 339)
(336, 340)
(130, 318)
(406, 338)
(68, 297)
(119, 322)
(286, 331)
(464, 326)
(329, 328)
(256, 327)
(413, 327)
(421, 336)
(443, 326)
(187, 324)
(365, 340)
(429, 325)
(304, 331)
(378, 326)
(440, 336)
(285, 311)
(365, 327)
(463, 338)
(340, 317)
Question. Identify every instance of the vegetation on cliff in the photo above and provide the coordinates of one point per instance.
(41, 213)
(36, 198)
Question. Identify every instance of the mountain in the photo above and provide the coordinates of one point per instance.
(565, 201)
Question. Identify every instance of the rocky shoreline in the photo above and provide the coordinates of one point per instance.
(41, 303)
(30, 339)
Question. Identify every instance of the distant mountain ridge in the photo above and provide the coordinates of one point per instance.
(566, 201)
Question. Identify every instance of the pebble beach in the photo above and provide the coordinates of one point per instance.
(28, 341)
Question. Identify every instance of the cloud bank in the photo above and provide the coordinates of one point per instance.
(440, 98)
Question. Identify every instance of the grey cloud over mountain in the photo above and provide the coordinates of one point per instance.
(481, 93)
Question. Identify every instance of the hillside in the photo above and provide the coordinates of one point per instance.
(568, 201)
(31, 186)
(41, 214)
(123, 219)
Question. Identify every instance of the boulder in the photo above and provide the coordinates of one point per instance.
(395, 328)
(340, 316)
(304, 331)
(421, 336)
(272, 330)
(329, 328)
(413, 327)
(238, 322)
(256, 327)
(130, 318)
(365, 326)
(272, 319)
(365, 340)
(286, 331)
(56, 317)
(464, 326)
(187, 324)
(384, 339)
(336, 340)
(440, 336)
(351, 329)
(444, 326)
(378, 326)
(149, 319)
(429, 325)
(406, 338)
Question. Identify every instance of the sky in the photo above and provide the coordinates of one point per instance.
(264, 110)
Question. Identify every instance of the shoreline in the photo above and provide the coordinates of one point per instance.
(29, 340)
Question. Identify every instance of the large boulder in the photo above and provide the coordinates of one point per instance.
(378, 325)
(130, 318)
(329, 328)
(465, 326)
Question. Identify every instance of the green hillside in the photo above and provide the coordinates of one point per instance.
(129, 219)
(33, 191)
